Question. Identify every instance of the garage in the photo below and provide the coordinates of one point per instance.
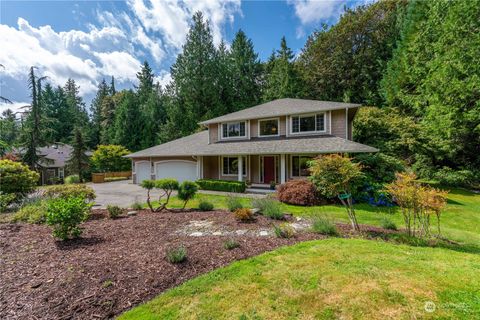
(178, 169)
(142, 171)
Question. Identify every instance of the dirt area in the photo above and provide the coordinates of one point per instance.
(120, 263)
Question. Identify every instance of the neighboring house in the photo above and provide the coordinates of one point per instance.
(269, 142)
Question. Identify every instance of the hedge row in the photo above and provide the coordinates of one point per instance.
(222, 185)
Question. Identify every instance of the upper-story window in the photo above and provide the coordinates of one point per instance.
(308, 123)
(268, 127)
(233, 130)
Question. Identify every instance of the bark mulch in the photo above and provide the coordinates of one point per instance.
(116, 265)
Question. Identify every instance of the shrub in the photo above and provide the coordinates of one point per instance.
(109, 158)
(70, 190)
(16, 179)
(459, 178)
(269, 208)
(324, 225)
(166, 185)
(137, 206)
(72, 179)
(32, 213)
(205, 206)
(65, 215)
(187, 191)
(298, 192)
(222, 185)
(231, 244)
(5, 200)
(284, 230)
(177, 255)
(388, 224)
(114, 211)
(243, 214)
(233, 203)
(379, 167)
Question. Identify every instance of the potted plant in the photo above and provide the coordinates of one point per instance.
(272, 185)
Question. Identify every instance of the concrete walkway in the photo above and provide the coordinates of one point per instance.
(124, 193)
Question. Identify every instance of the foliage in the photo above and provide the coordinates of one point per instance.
(186, 191)
(374, 194)
(284, 230)
(35, 212)
(166, 185)
(114, 211)
(269, 207)
(6, 199)
(298, 192)
(177, 255)
(418, 203)
(137, 206)
(379, 167)
(334, 175)
(81, 191)
(388, 224)
(345, 62)
(65, 215)
(109, 158)
(243, 214)
(434, 76)
(231, 244)
(233, 203)
(205, 206)
(128, 122)
(448, 177)
(222, 185)
(72, 179)
(17, 179)
(78, 162)
(324, 225)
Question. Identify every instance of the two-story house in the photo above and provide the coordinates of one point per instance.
(269, 142)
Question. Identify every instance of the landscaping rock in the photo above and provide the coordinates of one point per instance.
(217, 233)
(241, 232)
(131, 213)
(263, 233)
(196, 234)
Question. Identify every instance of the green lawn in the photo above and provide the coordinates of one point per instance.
(330, 279)
(460, 221)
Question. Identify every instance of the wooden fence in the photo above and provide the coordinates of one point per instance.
(102, 177)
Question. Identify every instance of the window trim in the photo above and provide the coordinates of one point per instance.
(305, 115)
(291, 164)
(222, 137)
(269, 135)
(245, 158)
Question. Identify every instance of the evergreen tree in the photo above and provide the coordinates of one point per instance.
(145, 83)
(109, 105)
(9, 129)
(76, 105)
(112, 87)
(78, 162)
(128, 121)
(225, 78)
(245, 71)
(96, 113)
(283, 80)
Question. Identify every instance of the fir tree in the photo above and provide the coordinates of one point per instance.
(78, 162)
(96, 112)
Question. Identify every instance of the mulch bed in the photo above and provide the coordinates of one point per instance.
(116, 265)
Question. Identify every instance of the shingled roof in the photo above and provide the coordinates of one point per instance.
(197, 145)
(281, 107)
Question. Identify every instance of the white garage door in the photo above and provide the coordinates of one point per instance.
(180, 170)
(142, 171)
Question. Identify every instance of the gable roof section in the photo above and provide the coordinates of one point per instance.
(197, 145)
(281, 107)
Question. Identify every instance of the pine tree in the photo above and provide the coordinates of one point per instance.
(112, 87)
(78, 162)
(109, 105)
(9, 128)
(225, 78)
(96, 112)
(145, 83)
(76, 105)
(246, 72)
(127, 122)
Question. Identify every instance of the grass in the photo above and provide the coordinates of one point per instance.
(329, 279)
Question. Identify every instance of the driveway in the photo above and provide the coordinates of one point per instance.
(121, 193)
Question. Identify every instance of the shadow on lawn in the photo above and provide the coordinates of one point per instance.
(73, 244)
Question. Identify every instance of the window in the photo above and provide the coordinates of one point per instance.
(308, 123)
(61, 173)
(230, 166)
(233, 129)
(268, 127)
(300, 166)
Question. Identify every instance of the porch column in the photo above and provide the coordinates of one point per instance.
(240, 168)
(282, 168)
(200, 167)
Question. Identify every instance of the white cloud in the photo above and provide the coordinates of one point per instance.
(14, 106)
(164, 78)
(313, 11)
(120, 64)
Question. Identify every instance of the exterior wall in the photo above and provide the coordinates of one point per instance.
(253, 128)
(210, 167)
(338, 123)
(213, 132)
(255, 169)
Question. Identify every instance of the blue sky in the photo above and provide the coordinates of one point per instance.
(91, 40)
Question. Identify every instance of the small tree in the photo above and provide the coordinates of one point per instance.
(334, 175)
(65, 215)
(78, 161)
(166, 185)
(16, 179)
(187, 191)
(109, 158)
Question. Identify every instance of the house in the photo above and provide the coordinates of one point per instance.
(271, 142)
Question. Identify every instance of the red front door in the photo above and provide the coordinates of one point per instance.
(268, 169)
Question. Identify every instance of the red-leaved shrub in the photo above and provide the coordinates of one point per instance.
(299, 192)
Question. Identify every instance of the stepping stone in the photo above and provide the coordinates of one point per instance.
(131, 213)
(196, 234)
(241, 232)
(217, 233)
(263, 233)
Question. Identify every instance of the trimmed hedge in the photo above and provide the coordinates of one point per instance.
(222, 185)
